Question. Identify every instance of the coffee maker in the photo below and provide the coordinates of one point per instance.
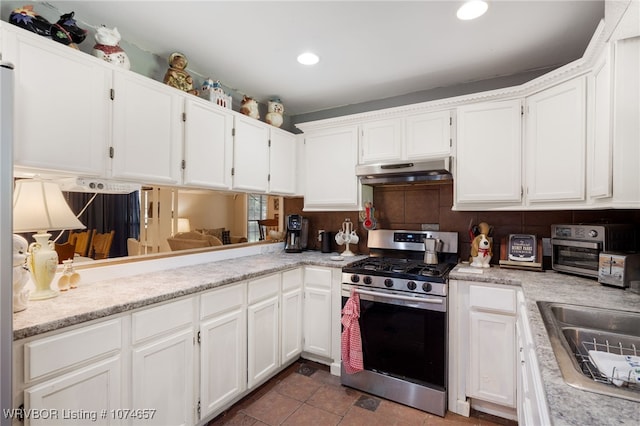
(297, 232)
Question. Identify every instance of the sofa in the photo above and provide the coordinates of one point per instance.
(203, 238)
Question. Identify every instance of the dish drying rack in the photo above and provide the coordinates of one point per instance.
(592, 371)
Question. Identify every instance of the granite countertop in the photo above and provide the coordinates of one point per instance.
(567, 405)
(103, 298)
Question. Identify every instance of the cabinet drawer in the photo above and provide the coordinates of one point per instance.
(222, 300)
(262, 288)
(495, 299)
(71, 348)
(154, 321)
(292, 279)
(317, 277)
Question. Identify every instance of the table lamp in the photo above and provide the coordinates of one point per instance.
(40, 206)
(183, 224)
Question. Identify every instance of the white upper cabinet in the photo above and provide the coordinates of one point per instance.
(330, 160)
(626, 125)
(208, 144)
(488, 160)
(427, 135)
(381, 141)
(555, 143)
(250, 155)
(283, 156)
(599, 154)
(147, 130)
(61, 114)
(414, 137)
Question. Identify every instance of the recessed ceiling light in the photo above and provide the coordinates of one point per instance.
(308, 58)
(472, 9)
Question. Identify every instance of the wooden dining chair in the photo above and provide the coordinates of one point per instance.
(81, 241)
(65, 251)
(101, 245)
(266, 225)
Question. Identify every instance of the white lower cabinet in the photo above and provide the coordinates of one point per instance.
(74, 398)
(317, 311)
(492, 356)
(162, 363)
(146, 361)
(482, 348)
(223, 347)
(491, 360)
(69, 376)
(291, 315)
(263, 329)
(532, 403)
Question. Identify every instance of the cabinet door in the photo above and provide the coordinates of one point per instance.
(250, 155)
(626, 126)
(599, 156)
(147, 130)
(291, 325)
(381, 141)
(317, 311)
(428, 135)
(262, 338)
(492, 373)
(223, 360)
(162, 378)
(291, 315)
(61, 108)
(488, 164)
(208, 145)
(282, 162)
(330, 159)
(555, 143)
(93, 389)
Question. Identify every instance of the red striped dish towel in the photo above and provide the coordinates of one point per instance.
(351, 340)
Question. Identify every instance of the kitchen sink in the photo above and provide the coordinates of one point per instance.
(574, 330)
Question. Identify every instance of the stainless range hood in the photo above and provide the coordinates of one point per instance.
(409, 172)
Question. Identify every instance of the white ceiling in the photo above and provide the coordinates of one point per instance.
(368, 49)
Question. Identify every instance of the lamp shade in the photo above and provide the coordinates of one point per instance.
(183, 224)
(40, 206)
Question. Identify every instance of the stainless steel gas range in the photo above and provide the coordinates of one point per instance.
(403, 317)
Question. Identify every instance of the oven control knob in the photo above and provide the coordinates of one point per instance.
(593, 233)
(355, 278)
(367, 280)
(426, 287)
(411, 285)
(388, 282)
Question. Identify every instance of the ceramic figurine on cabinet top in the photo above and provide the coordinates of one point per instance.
(250, 107)
(275, 111)
(213, 91)
(107, 47)
(65, 31)
(176, 75)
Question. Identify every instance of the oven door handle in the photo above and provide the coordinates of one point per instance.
(439, 301)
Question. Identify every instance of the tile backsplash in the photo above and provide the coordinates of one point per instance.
(408, 207)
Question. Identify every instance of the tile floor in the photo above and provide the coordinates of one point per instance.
(307, 394)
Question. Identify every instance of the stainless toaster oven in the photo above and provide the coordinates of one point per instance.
(576, 248)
